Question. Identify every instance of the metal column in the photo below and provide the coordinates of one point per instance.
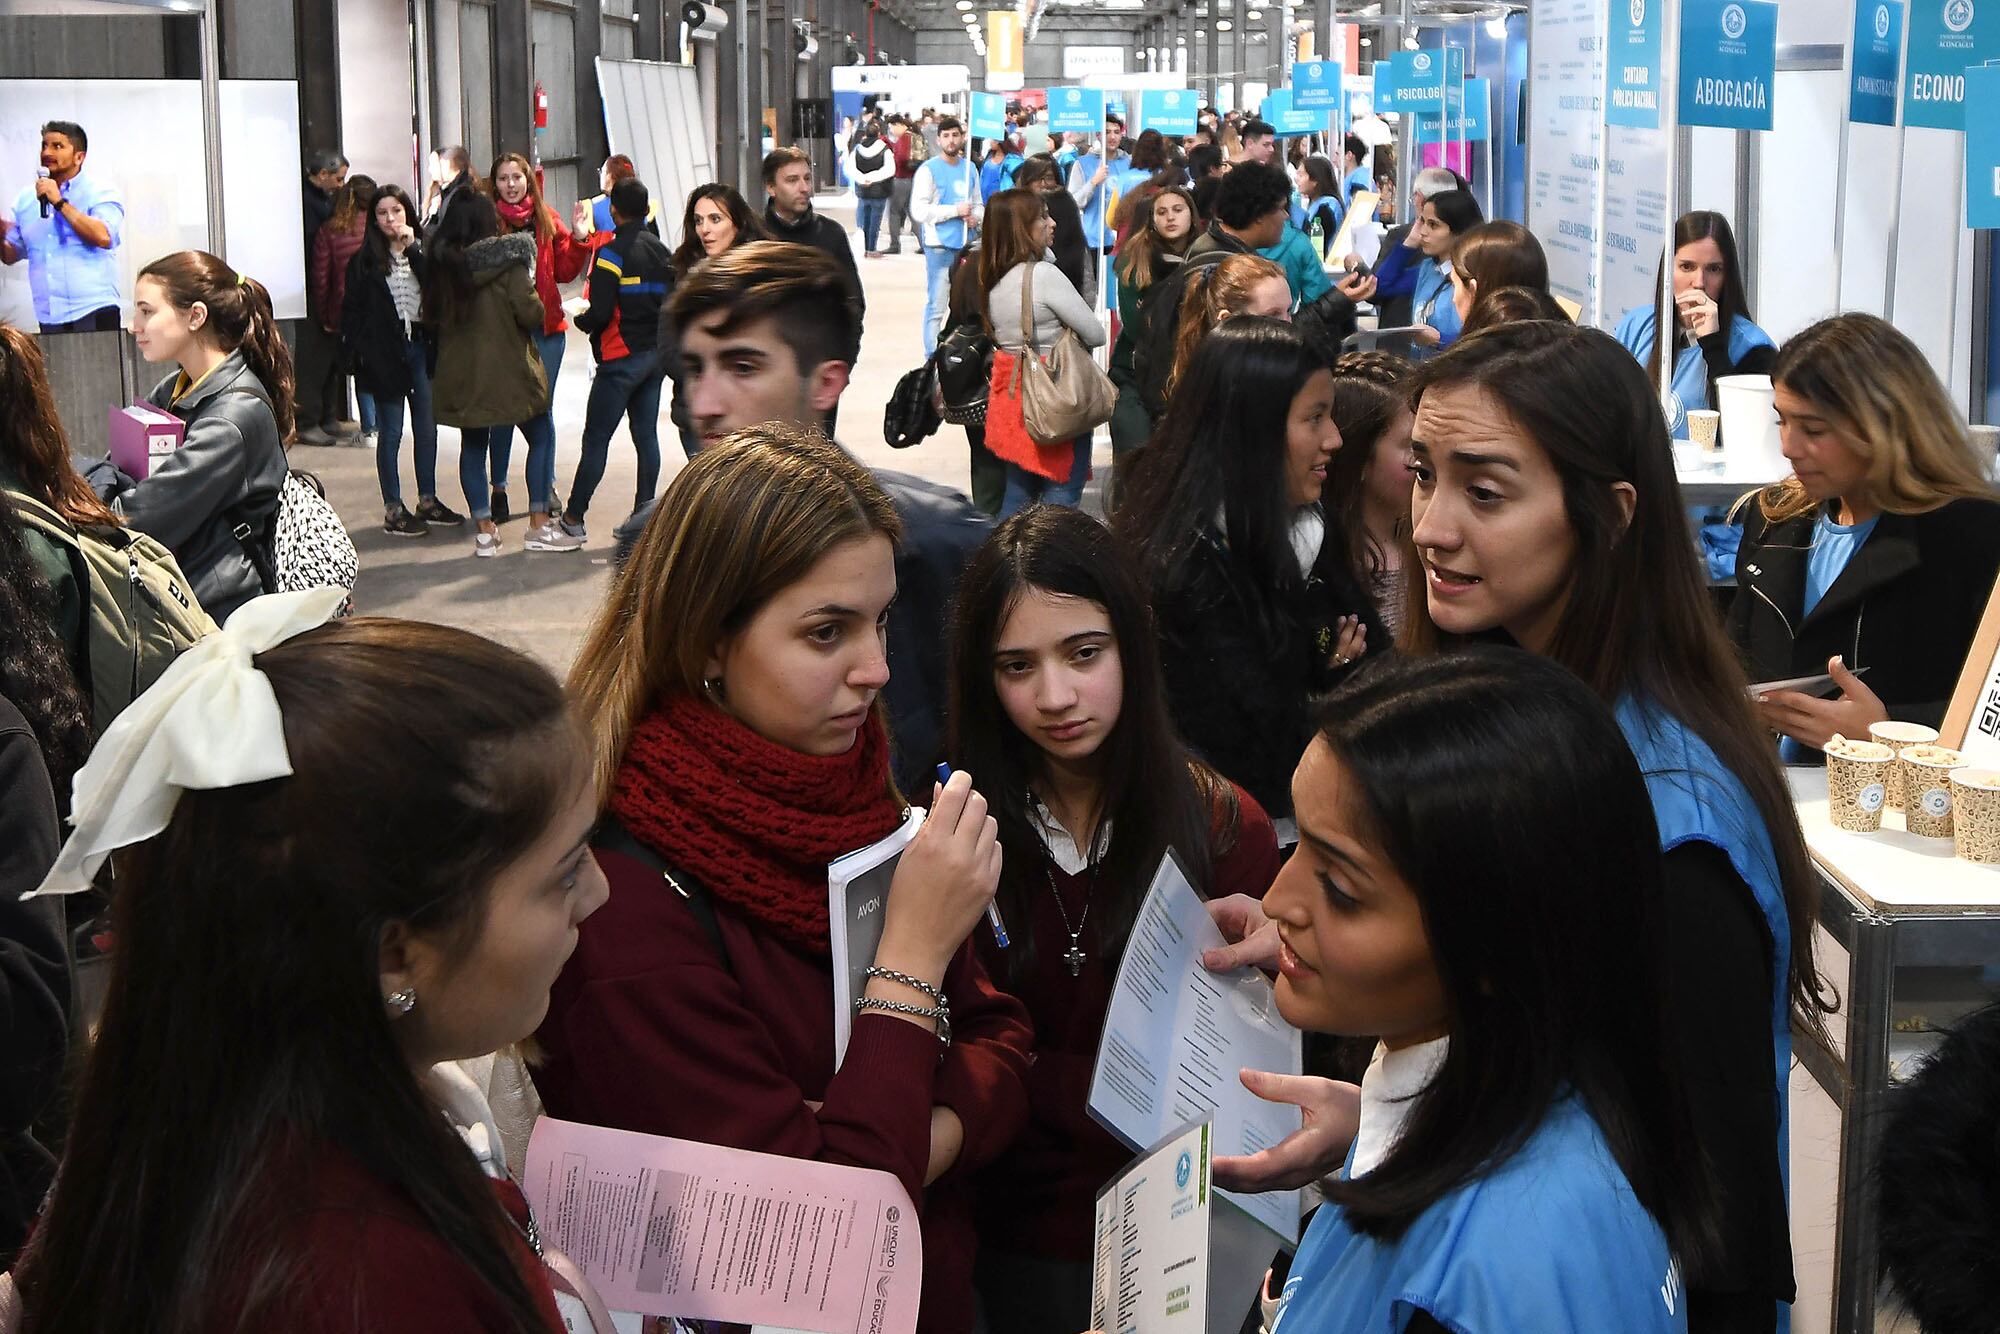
(1214, 66)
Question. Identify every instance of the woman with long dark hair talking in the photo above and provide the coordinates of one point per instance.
(1248, 575)
(1059, 705)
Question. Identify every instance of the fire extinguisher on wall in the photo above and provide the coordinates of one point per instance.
(541, 107)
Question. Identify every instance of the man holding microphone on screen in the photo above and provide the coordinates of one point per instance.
(67, 227)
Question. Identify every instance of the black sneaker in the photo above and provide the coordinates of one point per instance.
(402, 523)
(435, 511)
(500, 511)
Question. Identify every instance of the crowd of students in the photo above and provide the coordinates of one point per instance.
(1410, 661)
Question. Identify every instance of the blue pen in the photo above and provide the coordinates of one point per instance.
(992, 909)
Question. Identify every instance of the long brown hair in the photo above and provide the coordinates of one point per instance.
(745, 519)
(1500, 254)
(1880, 393)
(239, 317)
(749, 227)
(1369, 389)
(1210, 293)
(1007, 238)
(1700, 225)
(246, 991)
(1637, 620)
(351, 203)
(32, 441)
(544, 216)
(1142, 259)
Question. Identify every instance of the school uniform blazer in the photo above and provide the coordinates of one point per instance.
(1906, 607)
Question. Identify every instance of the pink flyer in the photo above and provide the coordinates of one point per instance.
(669, 1227)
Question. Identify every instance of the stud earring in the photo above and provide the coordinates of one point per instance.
(401, 1002)
(712, 684)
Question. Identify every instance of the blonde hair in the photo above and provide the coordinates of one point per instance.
(1876, 388)
(1212, 292)
(744, 520)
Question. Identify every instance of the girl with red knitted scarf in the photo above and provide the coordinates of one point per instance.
(730, 684)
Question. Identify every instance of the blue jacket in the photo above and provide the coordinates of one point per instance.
(1552, 1240)
(1300, 259)
(1430, 302)
(1697, 800)
(1635, 332)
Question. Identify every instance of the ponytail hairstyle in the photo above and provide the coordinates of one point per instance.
(239, 318)
(32, 441)
(1212, 293)
(350, 202)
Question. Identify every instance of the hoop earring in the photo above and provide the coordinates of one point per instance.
(401, 1002)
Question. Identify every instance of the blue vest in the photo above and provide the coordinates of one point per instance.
(1635, 332)
(955, 185)
(1097, 225)
(1551, 1241)
(1431, 302)
(1697, 800)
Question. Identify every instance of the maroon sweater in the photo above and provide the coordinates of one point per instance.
(1037, 1199)
(648, 1030)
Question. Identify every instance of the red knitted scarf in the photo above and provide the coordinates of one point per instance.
(755, 822)
(518, 217)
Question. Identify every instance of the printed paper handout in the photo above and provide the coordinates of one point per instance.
(669, 1227)
(1149, 1272)
(857, 895)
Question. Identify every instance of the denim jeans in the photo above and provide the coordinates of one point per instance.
(423, 427)
(364, 408)
(539, 432)
(937, 299)
(472, 445)
(630, 388)
(868, 212)
(1026, 488)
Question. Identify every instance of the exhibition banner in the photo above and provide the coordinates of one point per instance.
(1947, 37)
(1076, 111)
(1423, 76)
(1316, 85)
(1729, 61)
(1472, 122)
(1632, 78)
(1878, 53)
(988, 116)
(1168, 110)
(1383, 87)
(1287, 119)
(1004, 69)
(1566, 134)
(1982, 146)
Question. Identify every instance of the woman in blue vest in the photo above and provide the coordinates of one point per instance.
(1713, 333)
(1526, 1156)
(1545, 513)
(1419, 268)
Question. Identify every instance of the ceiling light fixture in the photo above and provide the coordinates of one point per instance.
(1222, 25)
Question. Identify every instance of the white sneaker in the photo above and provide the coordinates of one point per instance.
(551, 537)
(485, 545)
(366, 440)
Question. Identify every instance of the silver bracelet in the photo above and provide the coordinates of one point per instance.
(914, 984)
(940, 1014)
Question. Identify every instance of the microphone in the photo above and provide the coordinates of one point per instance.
(42, 173)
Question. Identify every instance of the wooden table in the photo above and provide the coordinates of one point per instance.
(1895, 903)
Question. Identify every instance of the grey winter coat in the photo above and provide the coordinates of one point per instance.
(230, 469)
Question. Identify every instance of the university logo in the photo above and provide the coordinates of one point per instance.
(1734, 21)
(1422, 63)
(1074, 97)
(1881, 23)
(1173, 99)
(1957, 15)
(1638, 13)
(1183, 1170)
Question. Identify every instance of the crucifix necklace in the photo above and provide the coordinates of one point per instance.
(1074, 955)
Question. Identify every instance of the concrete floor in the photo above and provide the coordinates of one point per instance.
(541, 604)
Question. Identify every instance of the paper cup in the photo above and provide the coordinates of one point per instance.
(1895, 736)
(1704, 427)
(1857, 783)
(1927, 769)
(1975, 808)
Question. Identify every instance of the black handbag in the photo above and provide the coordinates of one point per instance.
(964, 362)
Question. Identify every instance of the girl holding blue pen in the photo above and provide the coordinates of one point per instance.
(1059, 707)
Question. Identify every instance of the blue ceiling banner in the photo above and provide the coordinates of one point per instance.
(1729, 63)
(988, 116)
(1382, 79)
(1947, 37)
(1878, 57)
(1168, 110)
(1316, 85)
(1982, 146)
(1423, 76)
(1473, 123)
(1076, 111)
(1632, 65)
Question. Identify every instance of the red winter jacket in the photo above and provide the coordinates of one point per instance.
(328, 280)
(559, 258)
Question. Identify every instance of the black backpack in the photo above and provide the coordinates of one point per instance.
(964, 365)
(912, 414)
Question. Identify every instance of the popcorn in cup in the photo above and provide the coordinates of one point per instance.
(1857, 783)
(1895, 736)
(1927, 769)
(1975, 801)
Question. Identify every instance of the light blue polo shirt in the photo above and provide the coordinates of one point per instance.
(70, 278)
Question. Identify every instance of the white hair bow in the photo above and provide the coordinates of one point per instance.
(210, 721)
